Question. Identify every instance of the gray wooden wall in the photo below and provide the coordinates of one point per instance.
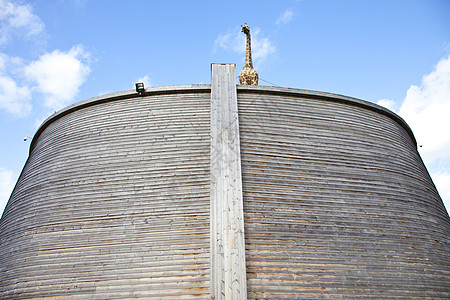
(337, 202)
(114, 201)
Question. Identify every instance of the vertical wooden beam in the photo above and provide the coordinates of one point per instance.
(228, 271)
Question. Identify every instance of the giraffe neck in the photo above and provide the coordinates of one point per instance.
(248, 52)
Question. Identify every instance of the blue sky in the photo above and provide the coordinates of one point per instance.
(395, 53)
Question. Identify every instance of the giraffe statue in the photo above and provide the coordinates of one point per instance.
(248, 75)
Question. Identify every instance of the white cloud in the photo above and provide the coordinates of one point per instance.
(145, 80)
(56, 75)
(234, 42)
(3, 59)
(10, 65)
(18, 19)
(262, 47)
(59, 75)
(386, 103)
(7, 182)
(427, 109)
(14, 99)
(442, 182)
(285, 17)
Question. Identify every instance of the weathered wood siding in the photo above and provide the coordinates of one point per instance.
(228, 269)
(337, 202)
(113, 203)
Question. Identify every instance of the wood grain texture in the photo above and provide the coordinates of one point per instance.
(228, 280)
(113, 203)
(337, 202)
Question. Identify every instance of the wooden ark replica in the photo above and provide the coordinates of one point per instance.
(224, 191)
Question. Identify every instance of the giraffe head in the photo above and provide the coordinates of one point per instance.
(245, 28)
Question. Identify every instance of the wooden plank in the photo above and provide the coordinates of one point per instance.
(337, 202)
(113, 203)
(228, 272)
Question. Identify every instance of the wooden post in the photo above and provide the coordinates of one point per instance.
(228, 270)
